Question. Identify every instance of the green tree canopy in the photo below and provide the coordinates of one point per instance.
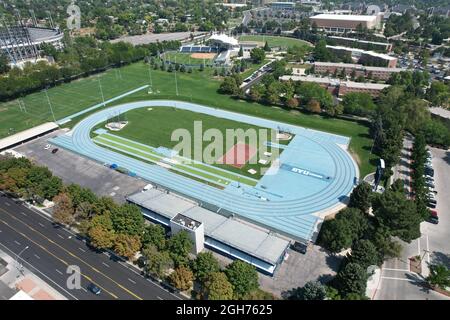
(243, 277)
(204, 265)
(217, 287)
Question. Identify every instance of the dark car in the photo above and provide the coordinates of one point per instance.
(429, 172)
(94, 289)
(55, 150)
(431, 204)
(299, 247)
(433, 218)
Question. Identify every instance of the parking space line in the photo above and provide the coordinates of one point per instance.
(82, 250)
(41, 225)
(401, 279)
(60, 236)
(7, 204)
(23, 213)
(132, 281)
(17, 242)
(58, 271)
(106, 265)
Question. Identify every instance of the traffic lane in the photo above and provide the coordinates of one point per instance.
(123, 274)
(42, 264)
(68, 258)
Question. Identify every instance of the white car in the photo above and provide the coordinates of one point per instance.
(47, 146)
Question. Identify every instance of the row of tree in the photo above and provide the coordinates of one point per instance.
(80, 57)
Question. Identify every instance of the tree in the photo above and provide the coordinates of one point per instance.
(101, 238)
(365, 254)
(182, 278)
(309, 91)
(229, 86)
(157, 262)
(360, 104)
(351, 279)
(243, 277)
(154, 234)
(439, 276)
(361, 197)
(312, 290)
(204, 265)
(4, 63)
(313, 106)
(266, 47)
(63, 209)
(321, 53)
(127, 245)
(292, 103)
(128, 219)
(241, 52)
(257, 55)
(399, 214)
(217, 287)
(439, 94)
(179, 246)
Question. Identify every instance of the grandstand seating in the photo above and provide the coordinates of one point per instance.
(199, 49)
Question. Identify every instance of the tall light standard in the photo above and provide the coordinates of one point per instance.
(50, 104)
(101, 90)
(150, 75)
(176, 82)
(18, 256)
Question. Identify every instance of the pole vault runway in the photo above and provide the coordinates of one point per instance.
(316, 173)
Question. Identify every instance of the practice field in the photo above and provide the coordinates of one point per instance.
(275, 41)
(313, 175)
(188, 58)
(199, 87)
(152, 128)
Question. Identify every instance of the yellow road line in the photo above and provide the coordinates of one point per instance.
(75, 256)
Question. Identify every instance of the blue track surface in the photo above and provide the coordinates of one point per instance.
(285, 201)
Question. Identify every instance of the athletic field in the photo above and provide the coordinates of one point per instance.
(275, 41)
(189, 58)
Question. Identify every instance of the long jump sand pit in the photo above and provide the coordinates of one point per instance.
(238, 155)
(199, 55)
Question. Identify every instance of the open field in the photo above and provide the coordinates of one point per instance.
(154, 127)
(194, 58)
(275, 41)
(199, 87)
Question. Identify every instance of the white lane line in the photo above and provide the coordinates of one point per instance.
(41, 225)
(133, 282)
(84, 289)
(37, 256)
(159, 298)
(60, 236)
(401, 279)
(23, 213)
(106, 265)
(392, 269)
(58, 271)
(7, 204)
(17, 242)
(82, 250)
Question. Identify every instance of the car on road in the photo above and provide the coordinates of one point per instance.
(433, 218)
(55, 150)
(299, 247)
(47, 146)
(94, 289)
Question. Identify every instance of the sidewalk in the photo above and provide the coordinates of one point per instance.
(19, 278)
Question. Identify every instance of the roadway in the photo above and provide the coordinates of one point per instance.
(52, 249)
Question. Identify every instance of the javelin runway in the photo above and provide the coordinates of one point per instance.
(321, 173)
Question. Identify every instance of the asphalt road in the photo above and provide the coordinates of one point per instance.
(52, 249)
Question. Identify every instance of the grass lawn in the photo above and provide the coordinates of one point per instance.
(154, 127)
(186, 58)
(275, 41)
(198, 87)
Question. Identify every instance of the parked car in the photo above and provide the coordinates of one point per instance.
(94, 289)
(47, 146)
(299, 247)
(55, 150)
(433, 218)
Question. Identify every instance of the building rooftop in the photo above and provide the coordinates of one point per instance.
(224, 39)
(27, 134)
(357, 66)
(364, 85)
(372, 53)
(248, 238)
(344, 17)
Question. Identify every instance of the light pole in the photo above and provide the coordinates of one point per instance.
(176, 82)
(50, 104)
(17, 258)
(101, 90)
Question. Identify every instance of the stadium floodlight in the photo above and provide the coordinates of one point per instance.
(101, 90)
(50, 104)
(176, 82)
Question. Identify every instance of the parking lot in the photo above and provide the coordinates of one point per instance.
(72, 168)
(397, 281)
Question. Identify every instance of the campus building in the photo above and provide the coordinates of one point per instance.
(361, 44)
(356, 70)
(367, 58)
(340, 88)
(282, 5)
(339, 23)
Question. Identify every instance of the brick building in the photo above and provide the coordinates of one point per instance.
(376, 73)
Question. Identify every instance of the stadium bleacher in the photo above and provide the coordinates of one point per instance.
(199, 49)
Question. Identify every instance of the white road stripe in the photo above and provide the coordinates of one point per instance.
(133, 282)
(23, 213)
(83, 289)
(401, 279)
(81, 249)
(58, 271)
(105, 264)
(60, 236)
(17, 242)
(37, 256)
(159, 298)
(7, 204)
(41, 225)
(392, 269)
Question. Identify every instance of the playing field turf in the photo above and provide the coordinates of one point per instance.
(275, 41)
(186, 58)
(199, 87)
(154, 127)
